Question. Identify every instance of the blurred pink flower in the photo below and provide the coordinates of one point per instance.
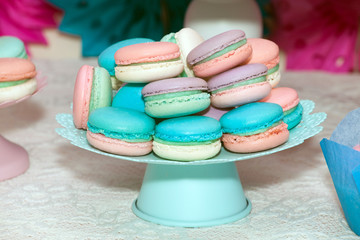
(26, 19)
(318, 34)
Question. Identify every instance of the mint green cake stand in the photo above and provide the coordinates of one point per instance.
(200, 193)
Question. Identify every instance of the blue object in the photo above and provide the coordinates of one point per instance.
(129, 96)
(342, 161)
(106, 57)
(294, 118)
(12, 47)
(101, 23)
(356, 176)
(191, 196)
(121, 123)
(188, 129)
(251, 117)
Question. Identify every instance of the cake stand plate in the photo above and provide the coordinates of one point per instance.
(198, 193)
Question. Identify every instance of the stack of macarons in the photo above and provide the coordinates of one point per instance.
(17, 72)
(184, 97)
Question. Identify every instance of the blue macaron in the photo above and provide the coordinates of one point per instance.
(12, 47)
(121, 131)
(106, 57)
(254, 127)
(187, 138)
(129, 96)
(293, 118)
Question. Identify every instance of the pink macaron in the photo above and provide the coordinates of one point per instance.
(239, 86)
(146, 62)
(219, 53)
(92, 90)
(266, 52)
(289, 100)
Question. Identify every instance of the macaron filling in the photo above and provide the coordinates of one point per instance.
(163, 96)
(12, 83)
(151, 62)
(241, 83)
(191, 139)
(258, 131)
(230, 48)
(274, 69)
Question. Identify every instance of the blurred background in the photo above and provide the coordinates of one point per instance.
(312, 34)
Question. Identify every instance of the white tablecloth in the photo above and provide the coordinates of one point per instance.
(70, 193)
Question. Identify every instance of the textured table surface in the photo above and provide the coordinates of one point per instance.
(70, 193)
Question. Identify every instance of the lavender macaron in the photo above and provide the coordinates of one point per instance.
(238, 86)
(175, 97)
(219, 53)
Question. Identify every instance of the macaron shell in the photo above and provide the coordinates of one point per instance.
(101, 89)
(13, 69)
(286, 97)
(187, 39)
(117, 146)
(147, 52)
(174, 85)
(274, 78)
(223, 63)
(81, 96)
(18, 91)
(187, 153)
(148, 72)
(214, 44)
(129, 96)
(294, 118)
(264, 51)
(240, 95)
(12, 47)
(177, 106)
(258, 142)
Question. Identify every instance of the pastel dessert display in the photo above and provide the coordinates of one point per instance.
(121, 131)
(267, 52)
(106, 58)
(17, 79)
(92, 90)
(129, 96)
(12, 47)
(187, 138)
(219, 53)
(187, 39)
(175, 97)
(146, 62)
(238, 86)
(254, 127)
(343, 160)
(289, 100)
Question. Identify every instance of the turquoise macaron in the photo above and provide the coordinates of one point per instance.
(121, 131)
(106, 57)
(12, 47)
(187, 138)
(129, 96)
(254, 127)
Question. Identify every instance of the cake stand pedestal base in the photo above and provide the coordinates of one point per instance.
(191, 195)
(14, 159)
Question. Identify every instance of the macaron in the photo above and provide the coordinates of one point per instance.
(129, 96)
(238, 86)
(214, 112)
(175, 97)
(187, 138)
(357, 147)
(187, 39)
(106, 58)
(289, 100)
(121, 131)
(92, 90)
(17, 79)
(146, 62)
(219, 53)
(12, 47)
(254, 127)
(266, 52)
